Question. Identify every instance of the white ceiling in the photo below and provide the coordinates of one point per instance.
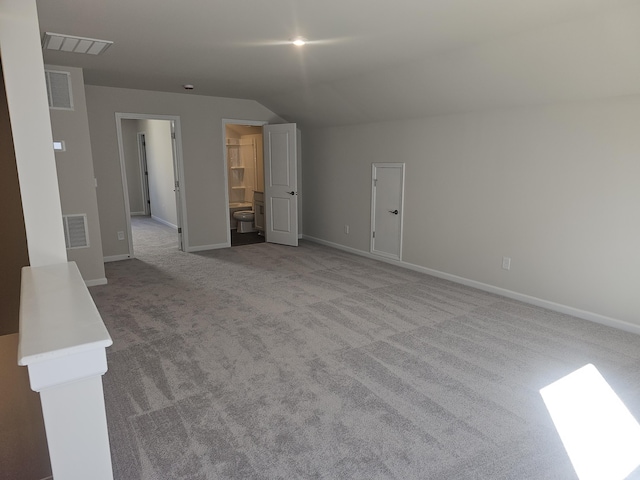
(368, 60)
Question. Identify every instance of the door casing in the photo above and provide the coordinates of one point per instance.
(181, 206)
(144, 174)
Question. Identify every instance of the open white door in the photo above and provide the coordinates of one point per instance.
(281, 184)
(178, 186)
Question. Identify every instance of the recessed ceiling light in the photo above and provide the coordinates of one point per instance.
(299, 41)
(71, 43)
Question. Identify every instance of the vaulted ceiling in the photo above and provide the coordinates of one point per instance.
(366, 60)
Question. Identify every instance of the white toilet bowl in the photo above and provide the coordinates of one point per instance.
(245, 221)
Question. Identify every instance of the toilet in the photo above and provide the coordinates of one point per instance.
(245, 221)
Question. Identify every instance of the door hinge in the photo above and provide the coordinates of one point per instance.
(179, 230)
(177, 184)
(375, 182)
(374, 234)
(173, 135)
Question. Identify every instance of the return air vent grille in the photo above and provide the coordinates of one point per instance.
(75, 231)
(59, 90)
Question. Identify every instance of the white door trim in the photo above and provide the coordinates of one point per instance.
(225, 122)
(374, 167)
(179, 168)
(144, 180)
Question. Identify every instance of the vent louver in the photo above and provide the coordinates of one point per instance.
(59, 90)
(75, 231)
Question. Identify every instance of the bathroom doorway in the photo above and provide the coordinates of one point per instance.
(245, 181)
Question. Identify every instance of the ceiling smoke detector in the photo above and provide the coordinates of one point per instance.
(188, 86)
(71, 43)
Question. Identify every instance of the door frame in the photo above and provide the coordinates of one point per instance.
(225, 122)
(374, 167)
(181, 205)
(144, 177)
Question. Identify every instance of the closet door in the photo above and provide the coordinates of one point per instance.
(387, 205)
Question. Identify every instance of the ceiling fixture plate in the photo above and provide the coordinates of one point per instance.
(71, 43)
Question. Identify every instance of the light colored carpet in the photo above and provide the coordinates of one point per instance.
(274, 362)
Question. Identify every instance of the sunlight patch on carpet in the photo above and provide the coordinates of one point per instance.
(600, 435)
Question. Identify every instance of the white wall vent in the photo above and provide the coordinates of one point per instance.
(59, 90)
(76, 234)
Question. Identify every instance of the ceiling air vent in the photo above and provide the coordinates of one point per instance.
(59, 90)
(75, 231)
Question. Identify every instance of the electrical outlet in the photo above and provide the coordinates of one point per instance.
(120, 235)
(506, 263)
(346, 229)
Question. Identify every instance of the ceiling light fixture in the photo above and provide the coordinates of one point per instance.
(70, 43)
(188, 86)
(299, 41)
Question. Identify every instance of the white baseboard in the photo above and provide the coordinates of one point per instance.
(202, 248)
(539, 302)
(116, 258)
(164, 222)
(96, 282)
(344, 248)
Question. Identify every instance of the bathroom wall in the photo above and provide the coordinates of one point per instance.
(257, 138)
(248, 160)
(249, 132)
(231, 135)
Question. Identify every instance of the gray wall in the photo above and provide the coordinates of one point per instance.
(555, 188)
(160, 168)
(76, 176)
(130, 129)
(203, 159)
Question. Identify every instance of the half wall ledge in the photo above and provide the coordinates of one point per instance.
(62, 341)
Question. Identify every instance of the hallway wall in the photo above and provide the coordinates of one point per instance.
(202, 142)
(160, 168)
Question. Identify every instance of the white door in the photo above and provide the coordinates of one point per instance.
(178, 186)
(144, 172)
(387, 204)
(281, 184)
